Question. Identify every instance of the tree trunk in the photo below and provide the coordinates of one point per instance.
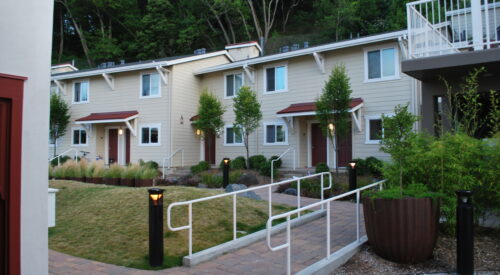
(230, 28)
(61, 38)
(246, 147)
(245, 25)
(224, 32)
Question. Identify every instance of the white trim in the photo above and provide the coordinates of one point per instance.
(110, 80)
(73, 129)
(225, 83)
(149, 125)
(108, 120)
(73, 91)
(63, 66)
(164, 74)
(320, 61)
(306, 51)
(397, 65)
(244, 45)
(150, 65)
(234, 137)
(367, 129)
(312, 113)
(275, 123)
(264, 90)
(250, 72)
(61, 86)
(140, 85)
(121, 146)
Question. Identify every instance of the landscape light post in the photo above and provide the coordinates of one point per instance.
(155, 226)
(465, 233)
(225, 172)
(353, 180)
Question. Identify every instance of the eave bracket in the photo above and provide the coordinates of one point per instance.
(249, 72)
(110, 80)
(61, 86)
(320, 61)
(163, 74)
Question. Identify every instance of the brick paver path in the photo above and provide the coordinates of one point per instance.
(308, 246)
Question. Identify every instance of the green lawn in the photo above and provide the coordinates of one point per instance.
(110, 223)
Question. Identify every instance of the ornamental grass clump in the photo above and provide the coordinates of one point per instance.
(148, 173)
(131, 171)
(71, 170)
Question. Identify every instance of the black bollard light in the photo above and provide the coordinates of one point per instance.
(353, 179)
(155, 226)
(465, 233)
(225, 172)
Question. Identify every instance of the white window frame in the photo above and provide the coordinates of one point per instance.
(73, 91)
(367, 127)
(265, 91)
(140, 85)
(150, 125)
(234, 133)
(276, 143)
(225, 83)
(397, 66)
(73, 129)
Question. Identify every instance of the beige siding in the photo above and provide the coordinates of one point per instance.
(244, 53)
(305, 84)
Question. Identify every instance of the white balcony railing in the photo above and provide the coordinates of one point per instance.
(437, 27)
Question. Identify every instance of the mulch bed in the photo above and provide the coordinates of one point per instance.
(486, 258)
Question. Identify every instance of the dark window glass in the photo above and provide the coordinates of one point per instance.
(76, 137)
(238, 138)
(375, 129)
(83, 137)
(270, 79)
(145, 135)
(280, 133)
(145, 85)
(229, 135)
(374, 65)
(230, 85)
(270, 136)
(154, 135)
(77, 92)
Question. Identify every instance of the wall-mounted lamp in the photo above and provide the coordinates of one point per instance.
(120, 131)
(331, 127)
(198, 132)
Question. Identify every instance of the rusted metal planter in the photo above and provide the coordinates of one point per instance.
(402, 230)
(128, 182)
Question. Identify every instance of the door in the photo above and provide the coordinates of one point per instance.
(5, 110)
(112, 146)
(318, 144)
(345, 149)
(127, 146)
(210, 148)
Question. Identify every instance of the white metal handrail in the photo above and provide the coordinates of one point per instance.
(234, 194)
(58, 157)
(169, 158)
(269, 225)
(283, 154)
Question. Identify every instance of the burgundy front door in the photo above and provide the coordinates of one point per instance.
(345, 149)
(4, 180)
(113, 146)
(318, 144)
(210, 148)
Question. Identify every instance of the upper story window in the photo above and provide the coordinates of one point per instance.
(79, 137)
(275, 134)
(232, 136)
(233, 84)
(150, 135)
(81, 92)
(150, 85)
(275, 79)
(381, 64)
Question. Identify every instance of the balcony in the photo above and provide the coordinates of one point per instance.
(442, 27)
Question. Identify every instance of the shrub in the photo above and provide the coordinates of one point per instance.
(265, 169)
(98, 169)
(212, 180)
(238, 163)
(277, 164)
(311, 188)
(201, 166)
(51, 172)
(62, 160)
(82, 167)
(361, 167)
(114, 172)
(255, 161)
(151, 165)
(148, 173)
(70, 169)
(322, 167)
(234, 176)
(374, 166)
(131, 171)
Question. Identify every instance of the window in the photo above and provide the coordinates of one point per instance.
(150, 135)
(81, 92)
(275, 134)
(150, 85)
(381, 64)
(232, 136)
(275, 79)
(233, 84)
(374, 129)
(79, 137)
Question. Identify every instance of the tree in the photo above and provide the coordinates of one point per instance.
(248, 114)
(332, 107)
(59, 117)
(210, 111)
(397, 137)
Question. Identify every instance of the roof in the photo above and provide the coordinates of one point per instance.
(307, 51)
(309, 107)
(167, 61)
(244, 44)
(123, 115)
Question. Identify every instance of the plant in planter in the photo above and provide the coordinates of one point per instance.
(98, 172)
(145, 177)
(129, 174)
(82, 167)
(113, 174)
(402, 221)
(70, 170)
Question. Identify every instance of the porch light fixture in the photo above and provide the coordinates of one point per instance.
(198, 132)
(120, 131)
(353, 180)
(331, 127)
(352, 163)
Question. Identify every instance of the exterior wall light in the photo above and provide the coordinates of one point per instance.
(120, 131)
(198, 132)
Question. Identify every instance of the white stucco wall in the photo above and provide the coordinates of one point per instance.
(25, 49)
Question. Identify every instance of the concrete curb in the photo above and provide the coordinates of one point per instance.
(213, 252)
(337, 259)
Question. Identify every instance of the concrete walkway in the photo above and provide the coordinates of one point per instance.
(308, 246)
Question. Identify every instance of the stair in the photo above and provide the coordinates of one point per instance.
(177, 172)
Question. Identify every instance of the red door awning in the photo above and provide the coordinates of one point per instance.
(108, 117)
(309, 108)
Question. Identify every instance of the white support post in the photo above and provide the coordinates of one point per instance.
(110, 80)
(88, 129)
(234, 217)
(320, 61)
(328, 241)
(163, 74)
(132, 128)
(249, 72)
(477, 24)
(61, 86)
(356, 117)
